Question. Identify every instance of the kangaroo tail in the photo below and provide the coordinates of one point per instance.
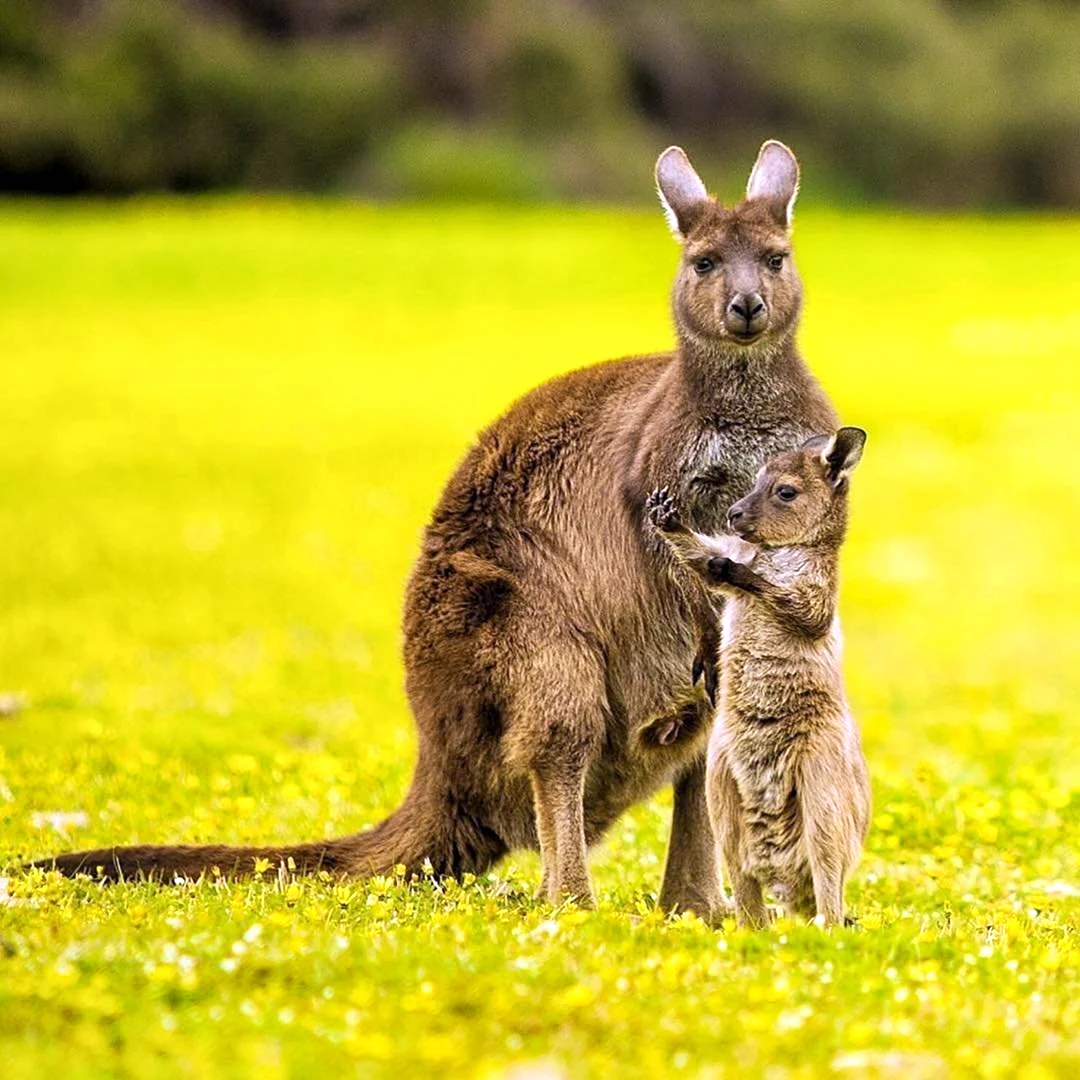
(169, 863)
(413, 834)
(401, 838)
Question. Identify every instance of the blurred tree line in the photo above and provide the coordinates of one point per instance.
(927, 101)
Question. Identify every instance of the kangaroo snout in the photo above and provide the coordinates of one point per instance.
(747, 315)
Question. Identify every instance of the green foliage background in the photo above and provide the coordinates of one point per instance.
(942, 102)
(222, 427)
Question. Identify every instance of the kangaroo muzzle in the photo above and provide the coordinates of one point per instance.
(747, 315)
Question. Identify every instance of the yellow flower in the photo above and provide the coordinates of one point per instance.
(577, 996)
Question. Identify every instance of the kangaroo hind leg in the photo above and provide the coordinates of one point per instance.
(558, 795)
(555, 730)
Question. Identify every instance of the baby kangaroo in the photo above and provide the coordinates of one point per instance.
(787, 785)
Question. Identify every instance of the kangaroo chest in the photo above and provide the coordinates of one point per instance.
(720, 466)
(658, 637)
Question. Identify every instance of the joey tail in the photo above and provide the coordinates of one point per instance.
(410, 836)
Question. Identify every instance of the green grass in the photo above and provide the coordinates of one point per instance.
(222, 426)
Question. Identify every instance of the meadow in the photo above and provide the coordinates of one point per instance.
(223, 424)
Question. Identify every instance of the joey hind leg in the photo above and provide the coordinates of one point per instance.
(828, 891)
(801, 901)
(828, 872)
(691, 875)
(832, 831)
(822, 898)
(726, 814)
(750, 908)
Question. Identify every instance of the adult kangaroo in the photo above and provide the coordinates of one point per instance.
(553, 646)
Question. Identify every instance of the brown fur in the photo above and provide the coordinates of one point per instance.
(787, 785)
(552, 646)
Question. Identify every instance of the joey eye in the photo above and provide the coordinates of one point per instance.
(775, 261)
(704, 264)
(786, 494)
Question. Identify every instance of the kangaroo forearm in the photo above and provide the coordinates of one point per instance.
(697, 551)
(807, 612)
(689, 546)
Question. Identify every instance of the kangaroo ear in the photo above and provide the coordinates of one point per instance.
(774, 180)
(816, 443)
(682, 194)
(842, 453)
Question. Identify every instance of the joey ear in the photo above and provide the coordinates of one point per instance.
(682, 194)
(774, 180)
(842, 453)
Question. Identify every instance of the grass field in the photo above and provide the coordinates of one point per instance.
(222, 426)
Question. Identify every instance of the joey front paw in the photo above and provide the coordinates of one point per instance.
(724, 571)
(662, 510)
(719, 569)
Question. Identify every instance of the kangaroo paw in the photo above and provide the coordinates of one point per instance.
(662, 510)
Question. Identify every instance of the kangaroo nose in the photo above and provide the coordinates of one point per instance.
(747, 314)
(747, 305)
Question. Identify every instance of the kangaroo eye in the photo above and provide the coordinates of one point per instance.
(786, 494)
(704, 264)
(775, 261)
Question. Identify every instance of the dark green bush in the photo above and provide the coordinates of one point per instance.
(147, 97)
(928, 101)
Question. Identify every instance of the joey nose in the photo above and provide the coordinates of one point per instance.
(737, 520)
(747, 314)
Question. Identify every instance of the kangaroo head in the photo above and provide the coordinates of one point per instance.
(737, 287)
(800, 496)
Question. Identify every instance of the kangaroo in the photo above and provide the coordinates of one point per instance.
(554, 654)
(786, 782)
